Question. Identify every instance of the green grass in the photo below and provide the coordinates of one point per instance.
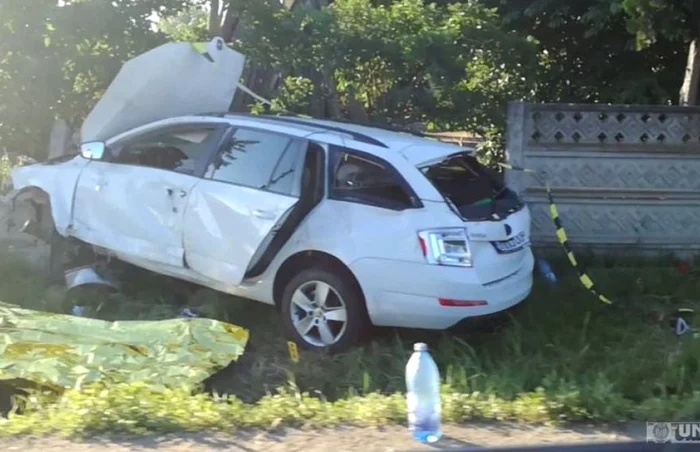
(561, 356)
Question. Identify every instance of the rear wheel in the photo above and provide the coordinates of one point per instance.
(324, 311)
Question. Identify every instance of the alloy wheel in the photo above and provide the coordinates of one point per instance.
(319, 314)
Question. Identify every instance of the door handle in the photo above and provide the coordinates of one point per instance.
(264, 214)
(170, 191)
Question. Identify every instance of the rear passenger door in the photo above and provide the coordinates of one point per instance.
(371, 208)
(248, 190)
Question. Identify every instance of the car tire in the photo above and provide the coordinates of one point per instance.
(303, 309)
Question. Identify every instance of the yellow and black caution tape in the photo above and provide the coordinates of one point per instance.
(561, 235)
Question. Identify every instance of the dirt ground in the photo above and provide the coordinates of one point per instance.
(337, 440)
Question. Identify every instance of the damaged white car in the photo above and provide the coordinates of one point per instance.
(339, 226)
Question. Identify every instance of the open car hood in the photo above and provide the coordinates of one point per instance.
(175, 79)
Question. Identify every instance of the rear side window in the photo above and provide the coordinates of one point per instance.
(363, 178)
(258, 159)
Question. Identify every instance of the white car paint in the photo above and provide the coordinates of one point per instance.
(214, 232)
(225, 226)
(128, 209)
(56, 180)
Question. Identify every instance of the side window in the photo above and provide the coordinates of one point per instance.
(258, 159)
(183, 150)
(364, 178)
(286, 174)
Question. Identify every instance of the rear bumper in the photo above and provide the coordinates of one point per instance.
(404, 294)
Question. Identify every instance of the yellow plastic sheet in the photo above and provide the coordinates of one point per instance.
(62, 351)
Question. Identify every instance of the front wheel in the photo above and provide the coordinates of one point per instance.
(324, 311)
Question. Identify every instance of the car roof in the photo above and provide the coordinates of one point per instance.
(415, 147)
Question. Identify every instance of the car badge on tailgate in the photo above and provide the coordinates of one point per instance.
(512, 245)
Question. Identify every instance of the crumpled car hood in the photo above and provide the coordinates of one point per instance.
(175, 79)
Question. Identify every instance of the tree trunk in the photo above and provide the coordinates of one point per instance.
(231, 20)
(214, 18)
(333, 101)
(356, 111)
(689, 90)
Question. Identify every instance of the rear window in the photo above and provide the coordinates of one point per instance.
(475, 190)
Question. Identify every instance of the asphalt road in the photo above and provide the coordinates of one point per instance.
(346, 439)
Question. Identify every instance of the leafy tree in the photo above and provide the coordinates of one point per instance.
(59, 56)
(189, 25)
(677, 21)
(590, 56)
(451, 66)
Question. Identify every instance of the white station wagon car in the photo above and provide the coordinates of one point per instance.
(339, 226)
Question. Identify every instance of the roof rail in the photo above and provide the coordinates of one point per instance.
(300, 121)
(387, 127)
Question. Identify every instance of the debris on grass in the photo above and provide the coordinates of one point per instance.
(561, 356)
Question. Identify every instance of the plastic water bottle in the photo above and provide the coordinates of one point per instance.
(423, 396)
(546, 271)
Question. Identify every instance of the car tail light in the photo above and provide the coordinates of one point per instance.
(446, 247)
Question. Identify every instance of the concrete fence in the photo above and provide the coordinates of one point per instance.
(622, 176)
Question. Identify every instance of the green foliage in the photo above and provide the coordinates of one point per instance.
(294, 97)
(449, 64)
(405, 62)
(561, 356)
(651, 20)
(588, 54)
(189, 25)
(58, 57)
(139, 410)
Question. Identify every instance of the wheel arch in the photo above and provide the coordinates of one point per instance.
(303, 260)
(40, 221)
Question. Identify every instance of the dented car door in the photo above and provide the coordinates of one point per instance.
(249, 189)
(133, 202)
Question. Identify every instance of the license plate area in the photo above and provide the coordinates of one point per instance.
(512, 245)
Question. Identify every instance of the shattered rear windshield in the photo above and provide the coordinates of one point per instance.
(475, 190)
(462, 179)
